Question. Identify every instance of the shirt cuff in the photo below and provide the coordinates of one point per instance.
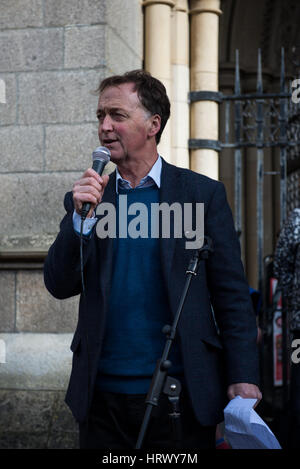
(87, 224)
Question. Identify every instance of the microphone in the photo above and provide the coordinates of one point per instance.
(101, 157)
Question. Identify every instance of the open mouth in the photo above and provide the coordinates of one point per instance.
(109, 141)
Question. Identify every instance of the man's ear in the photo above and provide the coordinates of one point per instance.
(155, 123)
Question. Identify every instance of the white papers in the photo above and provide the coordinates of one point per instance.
(244, 429)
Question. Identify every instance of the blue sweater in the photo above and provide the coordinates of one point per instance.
(138, 309)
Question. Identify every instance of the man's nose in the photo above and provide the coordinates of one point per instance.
(106, 123)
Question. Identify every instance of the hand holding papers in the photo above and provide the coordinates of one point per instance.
(244, 429)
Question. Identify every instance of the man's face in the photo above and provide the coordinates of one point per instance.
(124, 124)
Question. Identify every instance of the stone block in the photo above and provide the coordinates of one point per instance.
(58, 97)
(34, 203)
(121, 16)
(21, 148)
(7, 295)
(23, 411)
(70, 146)
(58, 13)
(23, 440)
(36, 361)
(64, 429)
(62, 419)
(84, 46)
(8, 110)
(21, 13)
(2, 91)
(181, 80)
(180, 157)
(36, 420)
(63, 440)
(33, 49)
(119, 57)
(180, 124)
(38, 311)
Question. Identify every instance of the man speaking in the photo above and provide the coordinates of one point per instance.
(132, 287)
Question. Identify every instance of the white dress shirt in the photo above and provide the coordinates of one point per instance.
(153, 177)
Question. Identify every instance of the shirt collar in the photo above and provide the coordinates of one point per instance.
(154, 174)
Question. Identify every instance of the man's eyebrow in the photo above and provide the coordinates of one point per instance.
(109, 109)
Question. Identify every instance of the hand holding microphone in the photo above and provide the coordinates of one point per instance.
(88, 191)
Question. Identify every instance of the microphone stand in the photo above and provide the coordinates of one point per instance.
(160, 381)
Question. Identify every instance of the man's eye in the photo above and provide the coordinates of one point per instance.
(113, 115)
(118, 116)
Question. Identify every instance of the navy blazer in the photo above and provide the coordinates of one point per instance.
(213, 356)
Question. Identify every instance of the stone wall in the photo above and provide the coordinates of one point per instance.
(52, 56)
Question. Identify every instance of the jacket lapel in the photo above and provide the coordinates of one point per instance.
(106, 245)
(169, 193)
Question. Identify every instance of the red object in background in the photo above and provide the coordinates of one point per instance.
(273, 285)
(277, 335)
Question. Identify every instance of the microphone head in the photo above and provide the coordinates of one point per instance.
(102, 154)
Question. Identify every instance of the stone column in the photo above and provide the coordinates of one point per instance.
(158, 54)
(204, 77)
(181, 81)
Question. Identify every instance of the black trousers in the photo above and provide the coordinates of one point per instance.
(115, 420)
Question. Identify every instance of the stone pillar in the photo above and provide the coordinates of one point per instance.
(158, 54)
(204, 77)
(180, 80)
